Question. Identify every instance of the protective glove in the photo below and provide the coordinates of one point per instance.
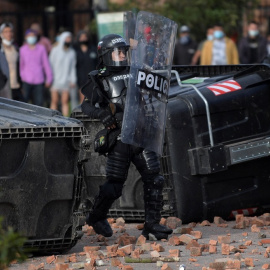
(106, 118)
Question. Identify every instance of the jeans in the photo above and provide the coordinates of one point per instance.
(34, 92)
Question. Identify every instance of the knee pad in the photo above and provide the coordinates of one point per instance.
(117, 167)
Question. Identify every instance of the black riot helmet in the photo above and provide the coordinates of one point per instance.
(112, 51)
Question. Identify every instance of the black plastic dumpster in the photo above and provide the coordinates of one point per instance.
(218, 138)
(40, 180)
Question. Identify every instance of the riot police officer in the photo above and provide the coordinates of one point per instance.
(107, 88)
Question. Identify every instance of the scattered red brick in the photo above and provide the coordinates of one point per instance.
(115, 262)
(50, 259)
(173, 222)
(205, 223)
(196, 234)
(140, 226)
(225, 249)
(266, 266)
(174, 241)
(174, 253)
(219, 220)
(212, 249)
(141, 240)
(249, 262)
(166, 266)
(224, 239)
(186, 238)
(195, 251)
(61, 266)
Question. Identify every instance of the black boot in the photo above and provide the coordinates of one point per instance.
(97, 217)
(153, 201)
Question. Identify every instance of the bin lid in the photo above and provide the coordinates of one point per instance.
(23, 120)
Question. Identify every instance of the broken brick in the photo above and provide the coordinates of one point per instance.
(225, 249)
(224, 239)
(166, 266)
(173, 222)
(205, 223)
(192, 243)
(120, 222)
(174, 241)
(195, 251)
(141, 240)
(127, 249)
(186, 238)
(249, 262)
(174, 253)
(140, 226)
(154, 254)
(212, 249)
(61, 266)
(50, 259)
(196, 234)
(218, 220)
(213, 242)
(115, 262)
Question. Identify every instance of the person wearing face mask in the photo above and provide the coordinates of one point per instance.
(185, 48)
(86, 58)
(63, 62)
(219, 51)
(35, 69)
(253, 47)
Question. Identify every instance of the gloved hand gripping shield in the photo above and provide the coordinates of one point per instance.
(151, 61)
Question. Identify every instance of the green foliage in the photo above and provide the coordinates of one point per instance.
(197, 14)
(11, 247)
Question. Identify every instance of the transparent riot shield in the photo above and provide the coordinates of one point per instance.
(151, 60)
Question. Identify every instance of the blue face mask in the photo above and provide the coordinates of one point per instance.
(184, 40)
(210, 37)
(218, 34)
(31, 40)
(253, 33)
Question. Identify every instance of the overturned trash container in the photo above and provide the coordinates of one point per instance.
(40, 180)
(217, 140)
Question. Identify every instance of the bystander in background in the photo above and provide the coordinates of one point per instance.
(219, 51)
(41, 39)
(63, 62)
(86, 59)
(35, 69)
(185, 47)
(253, 47)
(12, 56)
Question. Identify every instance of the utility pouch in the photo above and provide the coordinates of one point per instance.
(105, 140)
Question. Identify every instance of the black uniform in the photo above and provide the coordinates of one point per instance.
(104, 88)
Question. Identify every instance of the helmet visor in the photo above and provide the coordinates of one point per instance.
(118, 56)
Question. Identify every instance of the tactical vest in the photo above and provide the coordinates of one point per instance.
(115, 86)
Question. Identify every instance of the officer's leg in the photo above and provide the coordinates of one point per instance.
(116, 173)
(148, 165)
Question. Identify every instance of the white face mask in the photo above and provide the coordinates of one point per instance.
(31, 40)
(7, 42)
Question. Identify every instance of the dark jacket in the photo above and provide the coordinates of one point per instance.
(86, 62)
(183, 53)
(249, 55)
(17, 63)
